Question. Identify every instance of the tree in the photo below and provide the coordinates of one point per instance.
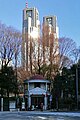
(76, 54)
(41, 51)
(64, 86)
(67, 49)
(8, 83)
(22, 75)
(76, 73)
(10, 42)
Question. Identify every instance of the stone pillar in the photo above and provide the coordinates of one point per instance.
(45, 102)
(29, 101)
(1, 104)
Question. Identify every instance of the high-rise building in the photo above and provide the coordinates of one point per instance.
(31, 32)
(52, 22)
(32, 48)
(50, 39)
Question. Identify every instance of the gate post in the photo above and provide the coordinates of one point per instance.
(1, 104)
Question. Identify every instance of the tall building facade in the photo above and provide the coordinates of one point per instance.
(30, 32)
(51, 32)
(37, 50)
(52, 22)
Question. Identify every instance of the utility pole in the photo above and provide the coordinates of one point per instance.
(77, 86)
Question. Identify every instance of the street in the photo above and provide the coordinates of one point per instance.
(38, 115)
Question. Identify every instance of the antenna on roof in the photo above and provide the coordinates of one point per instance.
(26, 4)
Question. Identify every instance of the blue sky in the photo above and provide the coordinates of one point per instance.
(67, 12)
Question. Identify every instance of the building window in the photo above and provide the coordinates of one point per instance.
(30, 29)
(49, 21)
(37, 16)
(25, 23)
(29, 13)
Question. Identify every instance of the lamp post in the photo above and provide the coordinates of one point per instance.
(77, 87)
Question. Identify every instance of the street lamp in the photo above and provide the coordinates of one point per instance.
(77, 86)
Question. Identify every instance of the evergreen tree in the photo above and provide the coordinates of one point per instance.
(8, 81)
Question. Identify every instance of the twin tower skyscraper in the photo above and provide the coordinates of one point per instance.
(33, 50)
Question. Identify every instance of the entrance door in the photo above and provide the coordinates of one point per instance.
(37, 100)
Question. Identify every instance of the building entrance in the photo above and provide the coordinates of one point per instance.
(36, 101)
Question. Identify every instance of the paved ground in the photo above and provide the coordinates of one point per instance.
(34, 115)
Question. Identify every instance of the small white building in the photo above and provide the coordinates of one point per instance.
(37, 91)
